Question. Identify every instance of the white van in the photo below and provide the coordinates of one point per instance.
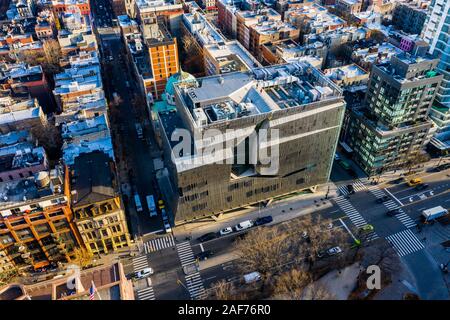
(244, 225)
(138, 203)
(252, 277)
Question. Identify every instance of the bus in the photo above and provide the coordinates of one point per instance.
(137, 201)
(151, 205)
(433, 213)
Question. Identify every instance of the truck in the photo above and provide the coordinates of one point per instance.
(433, 213)
(151, 205)
(137, 202)
(139, 130)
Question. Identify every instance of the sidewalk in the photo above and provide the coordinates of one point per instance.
(281, 211)
(216, 260)
(416, 170)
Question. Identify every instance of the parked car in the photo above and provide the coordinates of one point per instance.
(144, 273)
(421, 186)
(207, 237)
(243, 225)
(263, 220)
(334, 250)
(160, 204)
(204, 255)
(393, 212)
(350, 189)
(397, 181)
(337, 157)
(382, 199)
(226, 231)
(167, 226)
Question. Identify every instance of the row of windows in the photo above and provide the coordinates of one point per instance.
(199, 207)
(10, 177)
(262, 190)
(239, 185)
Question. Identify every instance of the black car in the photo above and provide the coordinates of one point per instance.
(204, 255)
(421, 186)
(397, 181)
(350, 189)
(263, 220)
(382, 199)
(207, 237)
(393, 212)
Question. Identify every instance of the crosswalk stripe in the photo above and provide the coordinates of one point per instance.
(194, 281)
(140, 263)
(157, 244)
(405, 242)
(146, 294)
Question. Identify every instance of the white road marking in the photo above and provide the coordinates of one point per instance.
(348, 230)
(201, 247)
(395, 198)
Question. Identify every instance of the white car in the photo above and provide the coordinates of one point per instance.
(167, 227)
(144, 273)
(244, 225)
(226, 231)
(334, 251)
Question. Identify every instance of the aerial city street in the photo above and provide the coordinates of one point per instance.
(224, 150)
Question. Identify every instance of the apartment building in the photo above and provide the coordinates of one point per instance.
(82, 79)
(163, 54)
(219, 55)
(289, 51)
(20, 113)
(346, 8)
(313, 19)
(296, 99)
(110, 282)
(21, 78)
(36, 222)
(96, 203)
(436, 33)
(348, 77)
(168, 12)
(390, 131)
(410, 17)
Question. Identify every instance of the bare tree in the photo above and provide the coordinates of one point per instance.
(7, 276)
(50, 138)
(263, 249)
(81, 257)
(223, 290)
(317, 291)
(52, 53)
(291, 285)
(48, 58)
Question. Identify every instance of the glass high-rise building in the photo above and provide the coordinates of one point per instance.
(437, 33)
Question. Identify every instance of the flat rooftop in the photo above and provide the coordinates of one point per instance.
(317, 14)
(241, 94)
(232, 53)
(347, 71)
